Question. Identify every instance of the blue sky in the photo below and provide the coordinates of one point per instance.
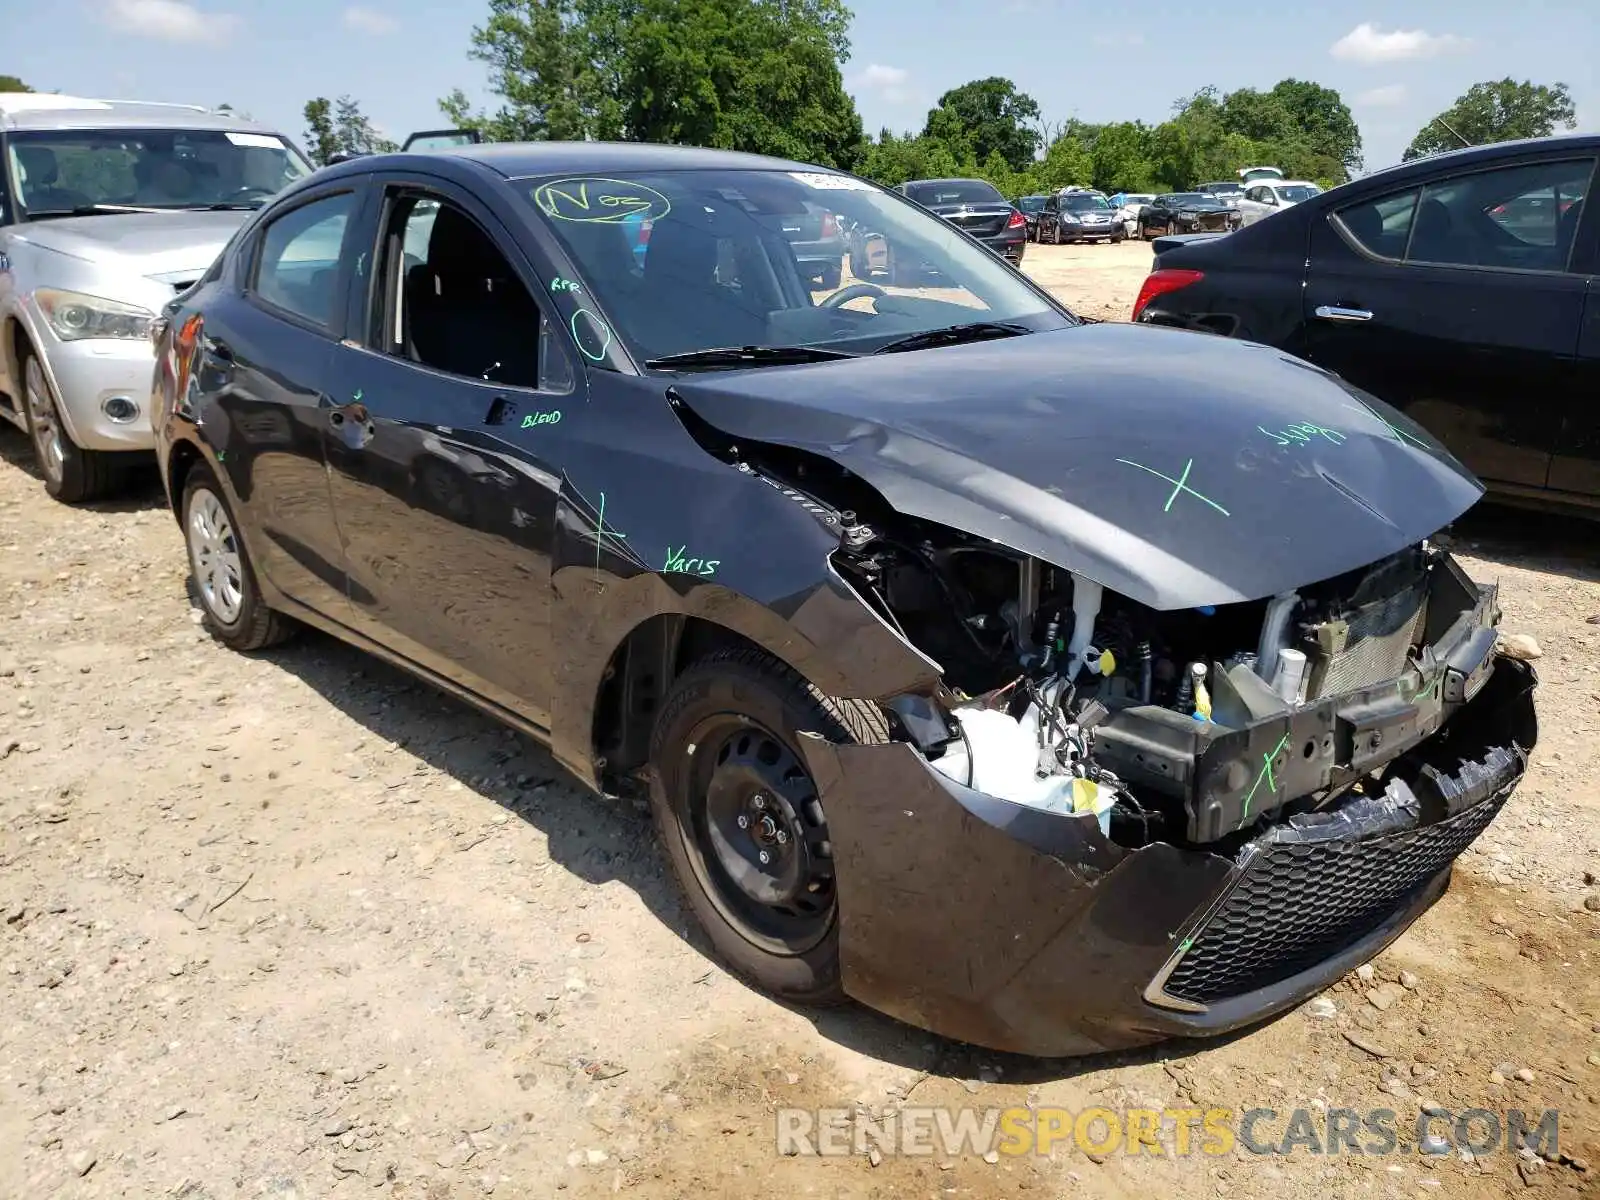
(1397, 62)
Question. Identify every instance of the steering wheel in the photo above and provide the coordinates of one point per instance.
(853, 292)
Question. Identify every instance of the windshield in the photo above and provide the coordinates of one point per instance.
(68, 170)
(683, 261)
(1224, 189)
(1298, 192)
(1079, 202)
(1190, 198)
(955, 191)
(1031, 204)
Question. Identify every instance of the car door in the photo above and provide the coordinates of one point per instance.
(266, 349)
(1428, 299)
(1575, 466)
(448, 391)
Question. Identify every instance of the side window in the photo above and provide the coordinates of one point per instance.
(454, 303)
(297, 266)
(1382, 226)
(1521, 218)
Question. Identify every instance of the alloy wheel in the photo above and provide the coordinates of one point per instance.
(44, 424)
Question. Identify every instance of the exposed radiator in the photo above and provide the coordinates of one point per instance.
(1371, 645)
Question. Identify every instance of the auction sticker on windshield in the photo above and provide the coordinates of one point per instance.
(831, 183)
(261, 140)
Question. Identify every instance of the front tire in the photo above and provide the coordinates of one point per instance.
(741, 820)
(72, 474)
(225, 581)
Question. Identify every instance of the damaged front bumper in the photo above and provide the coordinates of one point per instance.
(1032, 932)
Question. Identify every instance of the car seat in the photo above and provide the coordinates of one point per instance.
(466, 312)
(40, 175)
(1434, 238)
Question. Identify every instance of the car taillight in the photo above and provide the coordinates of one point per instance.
(1160, 282)
(830, 227)
(1017, 220)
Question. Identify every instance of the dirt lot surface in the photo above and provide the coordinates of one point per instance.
(294, 926)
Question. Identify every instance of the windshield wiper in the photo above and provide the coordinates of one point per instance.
(226, 206)
(746, 356)
(951, 335)
(88, 210)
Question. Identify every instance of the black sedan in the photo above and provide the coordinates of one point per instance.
(1459, 288)
(1054, 685)
(1079, 217)
(977, 207)
(1186, 212)
(1029, 207)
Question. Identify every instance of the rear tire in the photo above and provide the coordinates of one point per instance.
(225, 581)
(728, 786)
(72, 474)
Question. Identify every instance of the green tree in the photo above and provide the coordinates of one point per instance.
(1497, 111)
(1303, 121)
(1121, 158)
(321, 141)
(340, 127)
(1067, 163)
(10, 83)
(995, 116)
(758, 75)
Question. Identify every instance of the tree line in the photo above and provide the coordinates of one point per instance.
(767, 76)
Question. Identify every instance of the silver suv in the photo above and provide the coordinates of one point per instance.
(107, 209)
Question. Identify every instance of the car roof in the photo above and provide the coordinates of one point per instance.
(50, 110)
(517, 160)
(1468, 156)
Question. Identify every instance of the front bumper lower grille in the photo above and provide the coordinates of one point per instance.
(1297, 903)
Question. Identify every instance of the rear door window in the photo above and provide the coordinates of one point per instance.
(1519, 218)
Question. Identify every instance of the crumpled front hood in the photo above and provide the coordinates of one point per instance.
(1175, 468)
(140, 243)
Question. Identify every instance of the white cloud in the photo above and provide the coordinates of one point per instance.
(169, 20)
(1366, 43)
(1382, 97)
(369, 20)
(1118, 39)
(892, 83)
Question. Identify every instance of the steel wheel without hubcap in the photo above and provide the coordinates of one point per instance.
(44, 424)
(758, 840)
(214, 557)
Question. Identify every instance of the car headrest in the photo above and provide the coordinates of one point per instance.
(458, 249)
(38, 164)
(682, 253)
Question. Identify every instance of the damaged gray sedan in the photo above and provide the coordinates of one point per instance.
(1056, 686)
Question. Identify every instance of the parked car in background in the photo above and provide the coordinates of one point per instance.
(1229, 193)
(1079, 216)
(1128, 205)
(1186, 212)
(976, 207)
(1441, 287)
(1029, 207)
(107, 208)
(818, 244)
(1267, 196)
(793, 568)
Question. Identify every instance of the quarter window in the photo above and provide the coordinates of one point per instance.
(297, 269)
(1381, 226)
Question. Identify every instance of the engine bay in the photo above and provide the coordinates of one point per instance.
(1067, 697)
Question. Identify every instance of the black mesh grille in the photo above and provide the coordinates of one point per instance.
(1298, 903)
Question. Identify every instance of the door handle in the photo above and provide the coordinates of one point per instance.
(1333, 312)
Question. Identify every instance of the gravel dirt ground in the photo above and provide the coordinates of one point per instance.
(292, 925)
